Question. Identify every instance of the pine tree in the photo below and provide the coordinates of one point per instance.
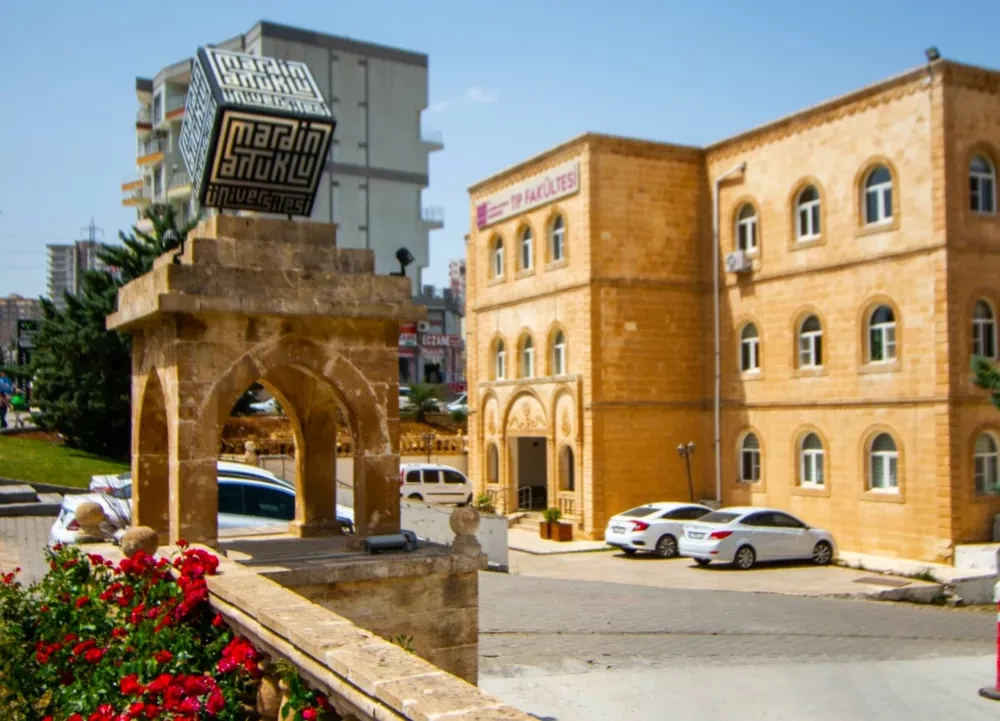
(82, 371)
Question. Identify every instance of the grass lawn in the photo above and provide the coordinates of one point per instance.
(43, 462)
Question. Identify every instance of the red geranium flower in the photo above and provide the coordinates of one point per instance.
(130, 685)
(94, 655)
(309, 714)
(162, 656)
(82, 601)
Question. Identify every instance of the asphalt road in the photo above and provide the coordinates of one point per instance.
(563, 649)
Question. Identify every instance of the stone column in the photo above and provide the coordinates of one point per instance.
(316, 475)
(376, 493)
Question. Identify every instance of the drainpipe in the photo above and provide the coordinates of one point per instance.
(715, 309)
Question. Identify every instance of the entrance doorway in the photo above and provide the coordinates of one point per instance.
(529, 465)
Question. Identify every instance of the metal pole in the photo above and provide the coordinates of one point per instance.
(687, 462)
(717, 332)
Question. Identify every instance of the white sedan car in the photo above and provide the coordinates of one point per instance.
(654, 528)
(743, 536)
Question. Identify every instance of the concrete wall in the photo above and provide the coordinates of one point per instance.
(431, 523)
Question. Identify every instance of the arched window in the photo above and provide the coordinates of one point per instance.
(811, 461)
(982, 186)
(984, 330)
(749, 349)
(883, 463)
(559, 354)
(882, 335)
(497, 258)
(986, 464)
(750, 459)
(557, 239)
(746, 228)
(492, 464)
(500, 361)
(527, 357)
(878, 195)
(527, 249)
(808, 213)
(810, 343)
(567, 481)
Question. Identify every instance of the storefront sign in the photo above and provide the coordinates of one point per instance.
(407, 328)
(433, 353)
(435, 340)
(407, 340)
(559, 182)
(407, 353)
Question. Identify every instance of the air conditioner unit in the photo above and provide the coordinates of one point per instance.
(424, 327)
(738, 262)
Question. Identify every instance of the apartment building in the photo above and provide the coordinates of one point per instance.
(67, 264)
(858, 256)
(432, 351)
(378, 164)
(12, 309)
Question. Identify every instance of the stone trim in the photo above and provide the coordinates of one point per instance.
(335, 42)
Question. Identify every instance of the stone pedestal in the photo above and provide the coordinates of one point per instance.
(277, 302)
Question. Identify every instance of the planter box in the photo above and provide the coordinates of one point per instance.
(545, 530)
(562, 532)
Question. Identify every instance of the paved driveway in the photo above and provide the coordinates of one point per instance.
(566, 649)
(802, 579)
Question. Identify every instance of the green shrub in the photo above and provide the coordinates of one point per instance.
(552, 515)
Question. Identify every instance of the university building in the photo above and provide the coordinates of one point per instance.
(858, 257)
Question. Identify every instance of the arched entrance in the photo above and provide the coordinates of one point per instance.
(527, 436)
(323, 339)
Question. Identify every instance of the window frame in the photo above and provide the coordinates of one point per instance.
(884, 329)
(492, 463)
(976, 180)
(497, 258)
(887, 460)
(813, 211)
(812, 459)
(885, 215)
(979, 324)
(557, 239)
(751, 347)
(500, 360)
(751, 222)
(755, 458)
(567, 481)
(526, 249)
(526, 353)
(558, 353)
(994, 456)
(814, 339)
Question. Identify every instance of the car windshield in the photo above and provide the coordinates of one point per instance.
(719, 517)
(640, 512)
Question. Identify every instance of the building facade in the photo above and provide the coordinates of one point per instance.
(67, 264)
(378, 163)
(859, 248)
(12, 309)
(432, 351)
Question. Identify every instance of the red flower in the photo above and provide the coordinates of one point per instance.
(75, 717)
(323, 702)
(130, 685)
(309, 714)
(190, 705)
(215, 701)
(82, 601)
(153, 711)
(119, 632)
(94, 655)
(70, 638)
(44, 609)
(217, 621)
(84, 646)
(162, 656)
(181, 543)
(159, 684)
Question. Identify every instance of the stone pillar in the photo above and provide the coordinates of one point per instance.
(194, 485)
(376, 493)
(316, 475)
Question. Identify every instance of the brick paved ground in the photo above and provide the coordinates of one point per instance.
(22, 540)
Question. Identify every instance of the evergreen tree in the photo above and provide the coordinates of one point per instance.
(83, 372)
(987, 377)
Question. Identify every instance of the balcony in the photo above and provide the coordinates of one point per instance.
(151, 151)
(143, 120)
(432, 217)
(433, 139)
(175, 107)
(179, 185)
(133, 194)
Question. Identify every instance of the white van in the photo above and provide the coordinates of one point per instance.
(434, 483)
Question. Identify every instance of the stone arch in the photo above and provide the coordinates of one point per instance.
(525, 413)
(150, 457)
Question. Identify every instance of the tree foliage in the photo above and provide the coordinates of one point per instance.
(82, 372)
(423, 399)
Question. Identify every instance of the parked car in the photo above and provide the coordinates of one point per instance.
(653, 528)
(460, 404)
(268, 407)
(404, 397)
(243, 503)
(114, 484)
(434, 483)
(743, 536)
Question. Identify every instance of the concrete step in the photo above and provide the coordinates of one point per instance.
(30, 509)
(17, 494)
(527, 522)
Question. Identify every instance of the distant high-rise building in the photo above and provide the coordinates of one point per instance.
(68, 263)
(456, 277)
(12, 309)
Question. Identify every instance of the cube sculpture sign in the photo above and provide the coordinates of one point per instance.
(256, 133)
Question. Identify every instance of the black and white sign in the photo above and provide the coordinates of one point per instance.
(256, 133)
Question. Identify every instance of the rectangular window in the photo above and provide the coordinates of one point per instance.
(453, 477)
(432, 476)
(751, 466)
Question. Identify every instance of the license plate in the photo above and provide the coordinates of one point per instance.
(695, 534)
(618, 529)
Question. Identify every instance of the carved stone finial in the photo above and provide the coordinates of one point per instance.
(250, 453)
(90, 516)
(465, 522)
(140, 538)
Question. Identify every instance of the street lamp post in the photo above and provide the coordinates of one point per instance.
(687, 451)
(428, 440)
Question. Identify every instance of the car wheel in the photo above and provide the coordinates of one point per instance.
(822, 553)
(629, 551)
(745, 558)
(666, 547)
(702, 561)
(415, 497)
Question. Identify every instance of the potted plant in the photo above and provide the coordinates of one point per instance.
(552, 528)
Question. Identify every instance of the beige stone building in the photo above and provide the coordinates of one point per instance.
(859, 246)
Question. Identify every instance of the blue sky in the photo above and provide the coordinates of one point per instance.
(507, 80)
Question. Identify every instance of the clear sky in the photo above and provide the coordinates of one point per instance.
(507, 80)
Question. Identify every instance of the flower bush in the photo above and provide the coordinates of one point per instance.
(96, 641)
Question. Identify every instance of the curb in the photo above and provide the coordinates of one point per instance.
(561, 553)
(44, 487)
(30, 509)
